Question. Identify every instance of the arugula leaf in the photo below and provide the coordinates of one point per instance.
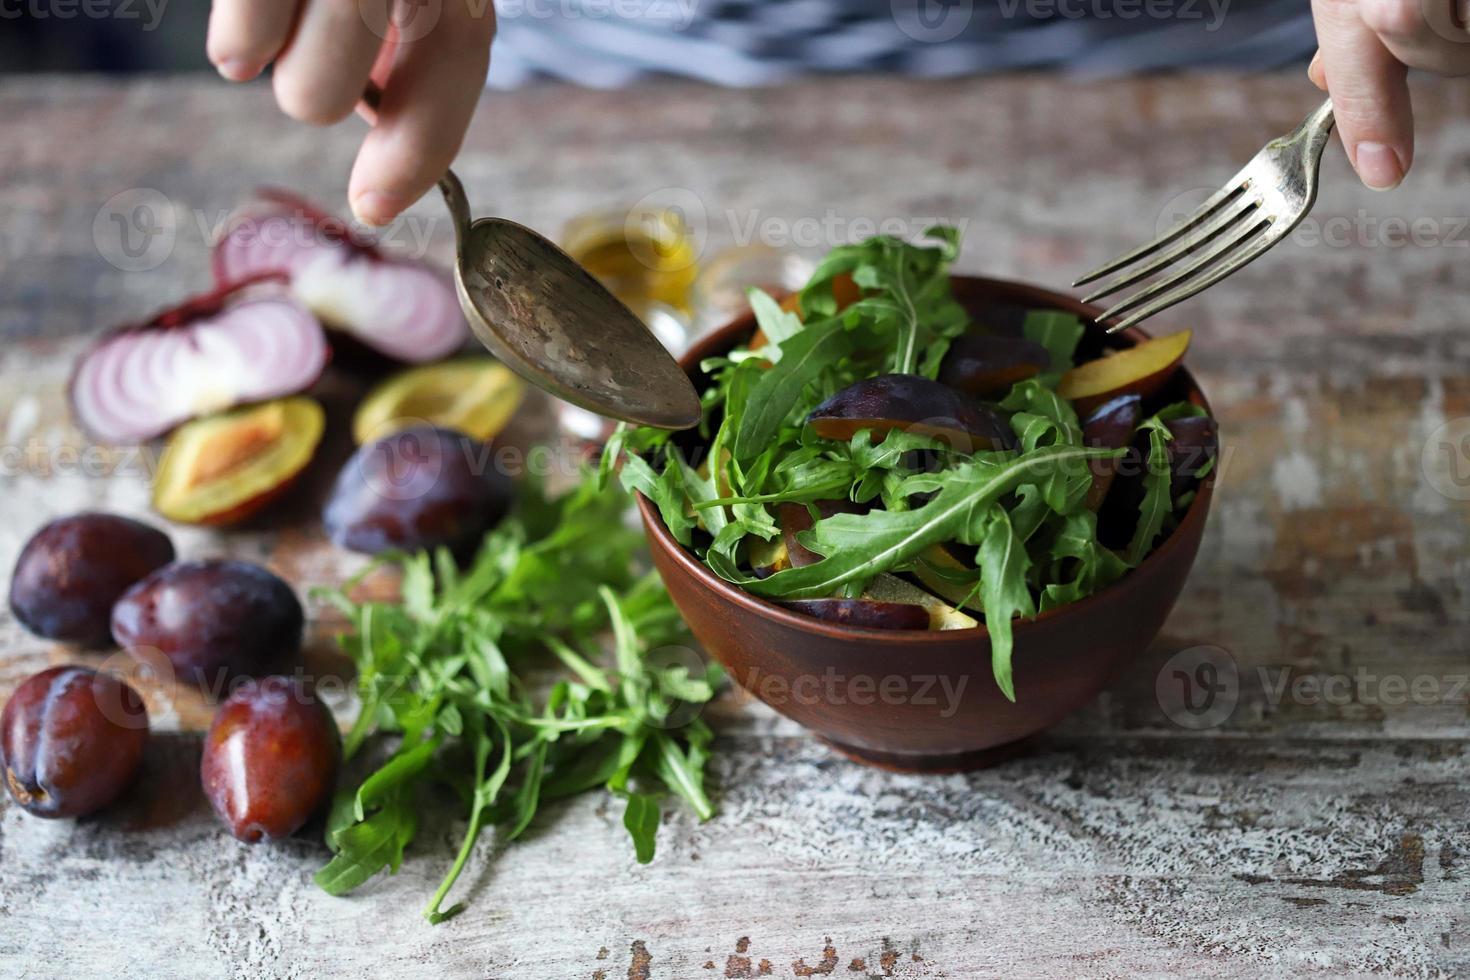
(641, 817)
(368, 846)
(1003, 593)
(434, 673)
(778, 325)
(857, 547)
(774, 396)
(1059, 333)
(1156, 502)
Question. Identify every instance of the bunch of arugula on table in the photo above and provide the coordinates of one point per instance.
(1022, 511)
(449, 671)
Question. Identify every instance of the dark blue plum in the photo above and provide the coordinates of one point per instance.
(212, 620)
(420, 488)
(71, 740)
(73, 570)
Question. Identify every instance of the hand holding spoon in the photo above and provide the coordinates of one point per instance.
(554, 324)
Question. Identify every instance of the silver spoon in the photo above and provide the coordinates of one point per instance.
(534, 307)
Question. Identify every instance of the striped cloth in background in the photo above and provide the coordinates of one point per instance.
(611, 43)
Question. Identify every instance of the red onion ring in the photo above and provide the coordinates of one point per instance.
(140, 382)
(402, 309)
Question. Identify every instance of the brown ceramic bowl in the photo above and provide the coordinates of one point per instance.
(921, 700)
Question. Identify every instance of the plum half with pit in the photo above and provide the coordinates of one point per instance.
(421, 488)
(71, 741)
(270, 759)
(72, 571)
(224, 469)
(213, 621)
(987, 366)
(914, 404)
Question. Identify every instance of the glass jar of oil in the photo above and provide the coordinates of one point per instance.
(644, 255)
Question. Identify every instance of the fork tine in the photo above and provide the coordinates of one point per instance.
(1236, 185)
(1274, 233)
(1208, 232)
(1187, 271)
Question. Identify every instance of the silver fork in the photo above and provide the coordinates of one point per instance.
(1253, 211)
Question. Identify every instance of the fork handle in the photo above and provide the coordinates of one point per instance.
(1317, 127)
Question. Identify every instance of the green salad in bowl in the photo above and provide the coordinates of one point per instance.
(876, 456)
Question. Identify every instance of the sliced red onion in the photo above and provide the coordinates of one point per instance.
(205, 356)
(402, 309)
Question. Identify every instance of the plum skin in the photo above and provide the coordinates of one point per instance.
(1110, 426)
(213, 620)
(71, 741)
(72, 571)
(986, 366)
(1194, 443)
(270, 759)
(912, 403)
(421, 488)
(867, 613)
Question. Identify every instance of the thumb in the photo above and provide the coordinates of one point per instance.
(1370, 95)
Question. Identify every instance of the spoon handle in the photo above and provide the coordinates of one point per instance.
(449, 185)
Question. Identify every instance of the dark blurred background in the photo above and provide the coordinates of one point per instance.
(608, 43)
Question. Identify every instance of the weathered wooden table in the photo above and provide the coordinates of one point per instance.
(1323, 826)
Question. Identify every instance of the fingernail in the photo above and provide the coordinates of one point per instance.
(1378, 166)
(375, 207)
(1316, 63)
(237, 70)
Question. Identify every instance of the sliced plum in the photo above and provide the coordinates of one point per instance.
(986, 366)
(942, 616)
(867, 613)
(402, 309)
(793, 518)
(1138, 370)
(223, 469)
(241, 343)
(473, 395)
(419, 488)
(1194, 444)
(1110, 426)
(933, 568)
(914, 404)
(768, 557)
(72, 571)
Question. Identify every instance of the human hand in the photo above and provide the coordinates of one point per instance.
(431, 73)
(1366, 50)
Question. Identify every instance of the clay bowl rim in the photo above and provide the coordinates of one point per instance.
(1025, 294)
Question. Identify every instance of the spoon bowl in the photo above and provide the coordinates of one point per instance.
(551, 321)
(534, 307)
